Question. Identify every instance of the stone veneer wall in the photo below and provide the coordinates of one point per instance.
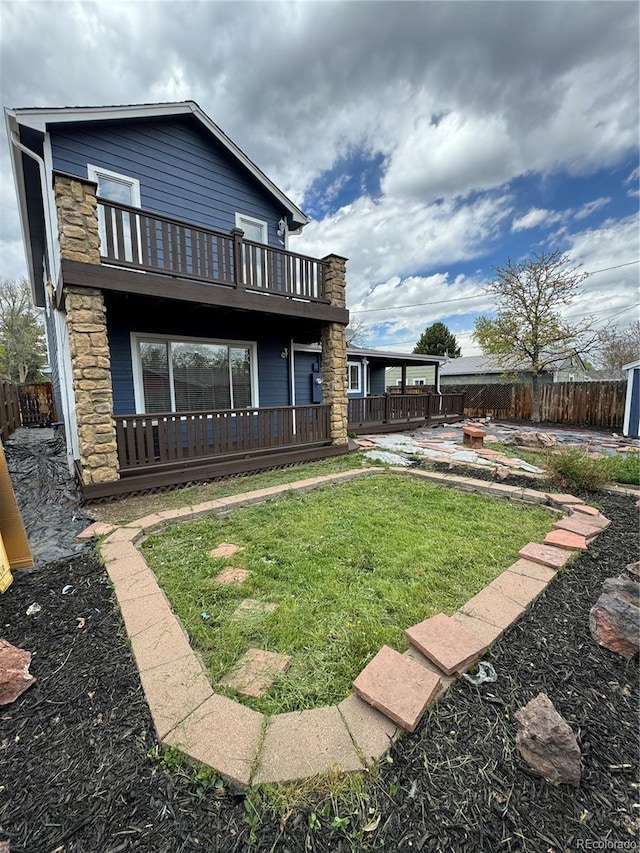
(334, 352)
(86, 322)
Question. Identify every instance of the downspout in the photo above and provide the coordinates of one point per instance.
(438, 391)
(292, 381)
(15, 141)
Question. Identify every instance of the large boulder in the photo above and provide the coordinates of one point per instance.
(547, 743)
(14, 672)
(614, 620)
(531, 439)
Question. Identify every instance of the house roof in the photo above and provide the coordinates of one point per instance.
(395, 358)
(38, 118)
(472, 365)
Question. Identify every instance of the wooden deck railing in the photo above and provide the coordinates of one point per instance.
(397, 408)
(135, 238)
(177, 437)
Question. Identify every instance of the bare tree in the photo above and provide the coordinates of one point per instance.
(357, 333)
(22, 344)
(617, 347)
(527, 332)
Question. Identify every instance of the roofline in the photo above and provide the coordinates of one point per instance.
(409, 357)
(631, 365)
(39, 118)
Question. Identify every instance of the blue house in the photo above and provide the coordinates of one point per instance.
(175, 311)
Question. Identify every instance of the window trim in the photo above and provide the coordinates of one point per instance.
(420, 381)
(261, 223)
(136, 338)
(351, 390)
(94, 171)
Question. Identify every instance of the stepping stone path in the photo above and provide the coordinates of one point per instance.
(225, 549)
(250, 608)
(256, 671)
(233, 576)
(392, 691)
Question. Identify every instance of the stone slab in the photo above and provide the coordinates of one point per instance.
(563, 500)
(532, 570)
(174, 690)
(519, 588)
(250, 608)
(232, 576)
(256, 671)
(306, 743)
(576, 525)
(126, 567)
(417, 657)
(566, 539)
(599, 521)
(110, 551)
(139, 585)
(585, 509)
(140, 613)
(450, 646)
(485, 631)
(223, 734)
(546, 555)
(371, 732)
(224, 549)
(491, 606)
(161, 642)
(397, 686)
(98, 528)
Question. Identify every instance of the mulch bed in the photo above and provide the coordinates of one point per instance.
(80, 769)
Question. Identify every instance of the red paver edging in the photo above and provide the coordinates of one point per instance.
(232, 738)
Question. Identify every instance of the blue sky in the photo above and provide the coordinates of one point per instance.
(429, 141)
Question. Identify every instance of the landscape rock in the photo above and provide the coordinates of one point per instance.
(531, 439)
(546, 742)
(14, 672)
(634, 568)
(614, 620)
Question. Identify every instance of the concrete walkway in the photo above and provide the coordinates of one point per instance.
(390, 694)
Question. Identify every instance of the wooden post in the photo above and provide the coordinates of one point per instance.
(238, 265)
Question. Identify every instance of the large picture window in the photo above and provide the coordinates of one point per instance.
(184, 376)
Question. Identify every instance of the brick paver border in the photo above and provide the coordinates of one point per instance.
(186, 711)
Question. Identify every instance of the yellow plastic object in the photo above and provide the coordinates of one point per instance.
(14, 538)
(6, 578)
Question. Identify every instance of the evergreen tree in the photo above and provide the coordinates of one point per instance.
(437, 340)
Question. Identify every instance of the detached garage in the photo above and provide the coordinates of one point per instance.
(631, 426)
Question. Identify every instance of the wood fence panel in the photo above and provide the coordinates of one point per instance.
(596, 404)
(36, 403)
(9, 409)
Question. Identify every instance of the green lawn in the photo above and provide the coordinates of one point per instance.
(349, 566)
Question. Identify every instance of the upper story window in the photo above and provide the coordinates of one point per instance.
(122, 190)
(190, 375)
(254, 229)
(354, 377)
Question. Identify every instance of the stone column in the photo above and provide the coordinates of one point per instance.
(334, 352)
(86, 323)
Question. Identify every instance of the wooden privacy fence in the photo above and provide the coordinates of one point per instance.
(36, 404)
(9, 408)
(597, 404)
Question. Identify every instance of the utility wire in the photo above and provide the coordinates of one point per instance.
(466, 298)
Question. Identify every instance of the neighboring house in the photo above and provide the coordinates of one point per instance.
(173, 305)
(483, 369)
(415, 377)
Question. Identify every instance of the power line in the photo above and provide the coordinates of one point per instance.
(466, 298)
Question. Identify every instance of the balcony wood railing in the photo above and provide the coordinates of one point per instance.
(135, 238)
(399, 408)
(172, 438)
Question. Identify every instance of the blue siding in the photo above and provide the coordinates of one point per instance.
(304, 362)
(52, 348)
(177, 320)
(377, 381)
(183, 171)
(634, 412)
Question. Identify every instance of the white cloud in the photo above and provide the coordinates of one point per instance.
(535, 218)
(591, 207)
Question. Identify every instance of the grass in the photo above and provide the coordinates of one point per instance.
(350, 567)
(124, 510)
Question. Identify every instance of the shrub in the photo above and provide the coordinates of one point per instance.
(625, 468)
(576, 471)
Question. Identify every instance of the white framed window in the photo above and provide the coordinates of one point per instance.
(419, 382)
(193, 374)
(254, 229)
(121, 189)
(354, 377)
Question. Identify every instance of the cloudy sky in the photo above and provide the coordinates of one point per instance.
(429, 141)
